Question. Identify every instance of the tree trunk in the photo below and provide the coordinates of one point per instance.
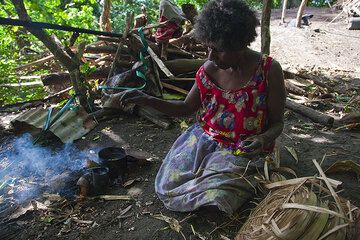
(300, 13)
(283, 13)
(265, 27)
(105, 24)
(72, 64)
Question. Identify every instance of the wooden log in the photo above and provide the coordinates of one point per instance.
(55, 78)
(30, 77)
(180, 53)
(70, 62)
(353, 117)
(104, 58)
(101, 49)
(35, 63)
(321, 84)
(314, 115)
(63, 77)
(197, 48)
(290, 87)
(315, 79)
(181, 66)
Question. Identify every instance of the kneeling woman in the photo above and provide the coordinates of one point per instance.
(239, 98)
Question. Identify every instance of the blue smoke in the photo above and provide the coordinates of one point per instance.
(29, 170)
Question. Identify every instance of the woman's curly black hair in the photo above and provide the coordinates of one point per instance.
(226, 25)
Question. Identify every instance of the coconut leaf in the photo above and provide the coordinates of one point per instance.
(344, 167)
(317, 225)
(293, 153)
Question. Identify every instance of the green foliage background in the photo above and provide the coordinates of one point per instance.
(77, 13)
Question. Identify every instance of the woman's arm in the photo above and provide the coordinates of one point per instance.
(275, 102)
(275, 106)
(173, 108)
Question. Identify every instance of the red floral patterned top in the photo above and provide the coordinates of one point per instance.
(230, 116)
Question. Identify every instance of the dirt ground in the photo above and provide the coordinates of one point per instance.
(332, 52)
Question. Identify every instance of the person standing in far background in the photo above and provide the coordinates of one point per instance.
(174, 18)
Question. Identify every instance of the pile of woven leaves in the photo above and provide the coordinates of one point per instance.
(305, 208)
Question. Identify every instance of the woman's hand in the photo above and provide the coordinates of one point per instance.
(134, 96)
(254, 144)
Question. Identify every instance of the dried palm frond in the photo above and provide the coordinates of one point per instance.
(303, 209)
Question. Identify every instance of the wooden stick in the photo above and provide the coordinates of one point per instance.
(160, 63)
(300, 13)
(109, 39)
(32, 102)
(283, 11)
(310, 113)
(336, 17)
(150, 26)
(156, 58)
(35, 63)
(30, 77)
(178, 79)
(111, 197)
(21, 84)
(129, 17)
(175, 88)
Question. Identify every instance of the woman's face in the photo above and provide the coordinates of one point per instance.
(223, 59)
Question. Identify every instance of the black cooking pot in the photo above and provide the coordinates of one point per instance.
(94, 181)
(100, 179)
(115, 159)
